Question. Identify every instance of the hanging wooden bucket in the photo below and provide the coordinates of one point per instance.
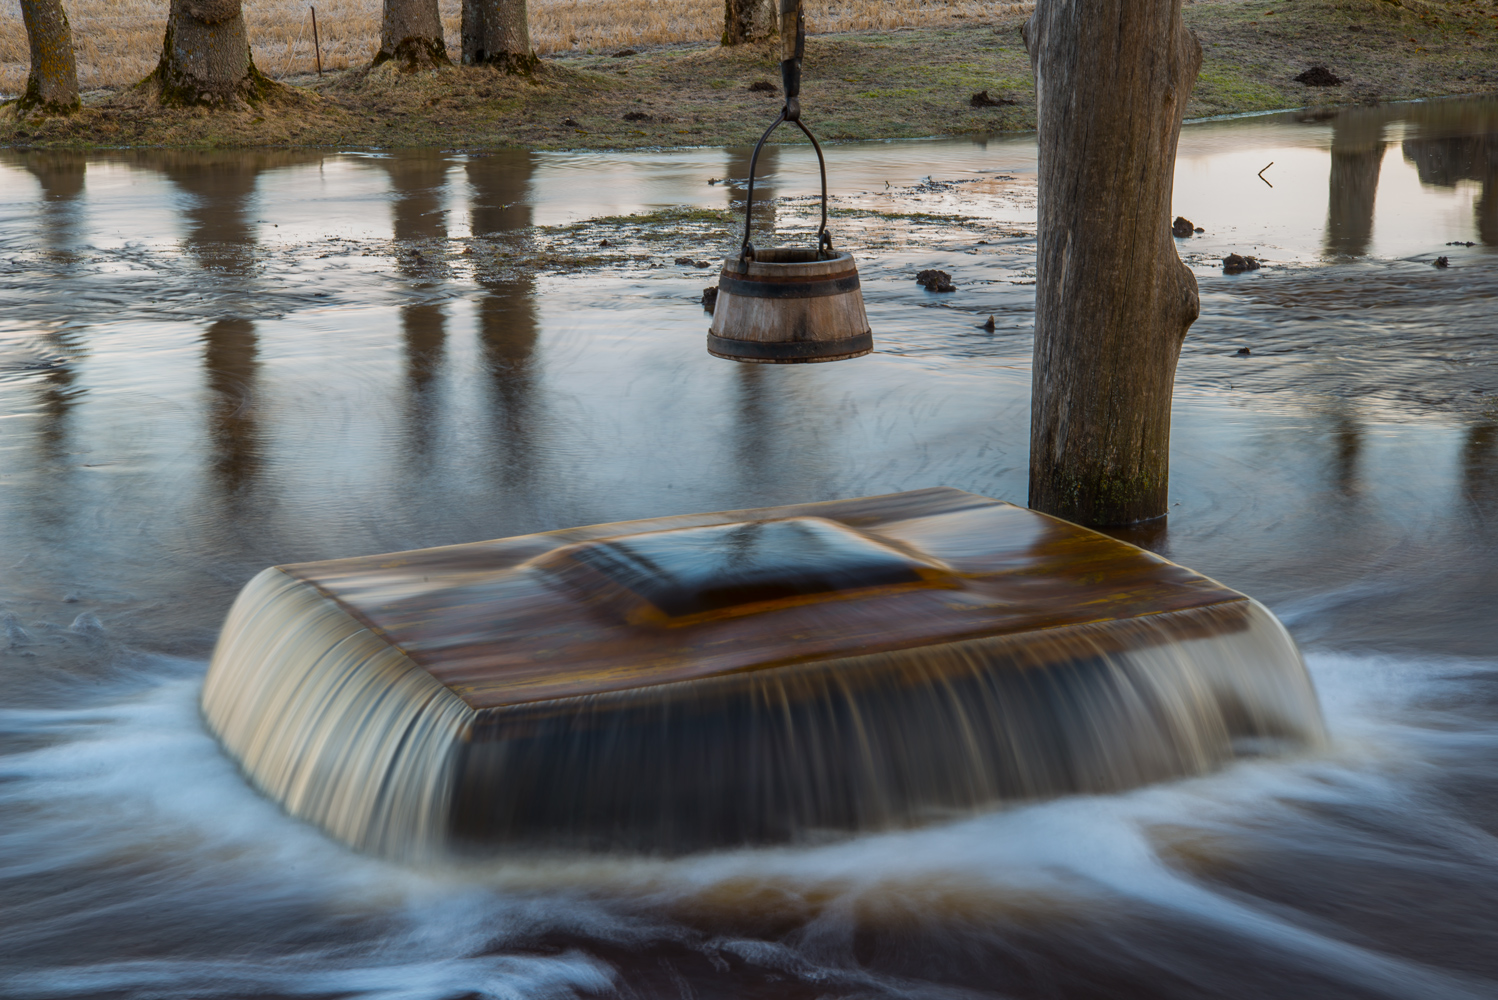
(789, 306)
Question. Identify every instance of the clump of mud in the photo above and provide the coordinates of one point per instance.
(982, 100)
(1319, 76)
(935, 281)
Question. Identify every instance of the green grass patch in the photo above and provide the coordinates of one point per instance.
(927, 218)
(1226, 89)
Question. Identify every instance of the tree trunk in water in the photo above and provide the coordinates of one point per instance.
(1113, 300)
(748, 21)
(412, 35)
(205, 58)
(53, 83)
(498, 33)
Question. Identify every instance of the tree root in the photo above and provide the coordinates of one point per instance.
(256, 90)
(31, 102)
(414, 54)
(508, 62)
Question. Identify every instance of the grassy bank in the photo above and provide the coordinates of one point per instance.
(119, 41)
(860, 85)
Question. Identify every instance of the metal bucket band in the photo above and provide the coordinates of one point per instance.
(803, 289)
(790, 350)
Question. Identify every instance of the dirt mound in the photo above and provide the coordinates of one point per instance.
(1319, 76)
(982, 100)
(935, 281)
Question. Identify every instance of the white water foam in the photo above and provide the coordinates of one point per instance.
(138, 781)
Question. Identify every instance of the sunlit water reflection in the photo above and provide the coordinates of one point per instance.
(212, 362)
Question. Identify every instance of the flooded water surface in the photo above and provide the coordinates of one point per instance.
(215, 362)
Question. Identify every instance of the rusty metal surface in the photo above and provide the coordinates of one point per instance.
(497, 624)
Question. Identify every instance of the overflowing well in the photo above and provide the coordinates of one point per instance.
(742, 677)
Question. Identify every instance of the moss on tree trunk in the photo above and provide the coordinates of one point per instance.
(411, 35)
(497, 33)
(205, 57)
(52, 86)
(1113, 300)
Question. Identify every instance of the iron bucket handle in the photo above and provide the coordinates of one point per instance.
(790, 76)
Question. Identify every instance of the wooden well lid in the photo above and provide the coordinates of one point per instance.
(613, 607)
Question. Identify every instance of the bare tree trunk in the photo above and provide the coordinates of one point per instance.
(52, 86)
(412, 35)
(748, 21)
(205, 57)
(1113, 300)
(498, 33)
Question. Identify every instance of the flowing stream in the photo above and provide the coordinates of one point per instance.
(215, 362)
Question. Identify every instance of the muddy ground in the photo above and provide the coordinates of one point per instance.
(897, 84)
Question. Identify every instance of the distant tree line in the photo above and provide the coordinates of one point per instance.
(205, 56)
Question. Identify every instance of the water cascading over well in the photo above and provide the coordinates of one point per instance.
(743, 677)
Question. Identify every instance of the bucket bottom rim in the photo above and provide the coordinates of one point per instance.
(790, 352)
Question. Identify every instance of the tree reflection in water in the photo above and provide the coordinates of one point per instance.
(232, 367)
(418, 221)
(1454, 141)
(60, 173)
(508, 328)
(736, 181)
(1479, 463)
(222, 239)
(1357, 159)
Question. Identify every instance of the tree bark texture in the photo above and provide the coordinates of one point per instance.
(205, 57)
(52, 86)
(748, 21)
(1113, 300)
(411, 34)
(498, 33)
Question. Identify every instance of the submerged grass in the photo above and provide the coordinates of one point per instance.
(884, 81)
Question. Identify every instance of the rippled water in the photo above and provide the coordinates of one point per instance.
(213, 362)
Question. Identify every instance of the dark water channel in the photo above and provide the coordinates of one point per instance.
(215, 362)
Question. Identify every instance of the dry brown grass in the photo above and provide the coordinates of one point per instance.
(558, 25)
(118, 41)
